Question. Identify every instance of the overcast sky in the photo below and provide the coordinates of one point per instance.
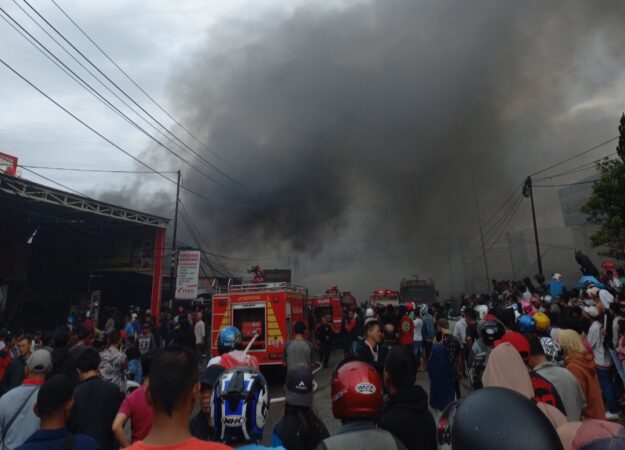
(149, 39)
(365, 116)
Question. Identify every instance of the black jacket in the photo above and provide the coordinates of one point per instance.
(406, 415)
(289, 431)
(96, 403)
(198, 426)
(362, 351)
(63, 362)
(15, 374)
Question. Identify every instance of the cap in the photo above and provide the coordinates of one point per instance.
(298, 387)
(443, 323)
(40, 361)
(210, 375)
(592, 311)
(518, 341)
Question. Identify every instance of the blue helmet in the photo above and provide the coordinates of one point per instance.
(229, 339)
(526, 324)
(71, 320)
(239, 405)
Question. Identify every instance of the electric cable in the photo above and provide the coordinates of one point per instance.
(97, 133)
(126, 94)
(107, 103)
(107, 56)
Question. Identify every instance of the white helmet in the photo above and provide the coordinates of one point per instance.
(556, 276)
(424, 309)
(369, 313)
(482, 311)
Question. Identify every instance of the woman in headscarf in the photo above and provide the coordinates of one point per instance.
(506, 369)
(442, 373)
(582, 364)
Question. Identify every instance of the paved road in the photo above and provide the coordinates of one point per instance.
(322, 404)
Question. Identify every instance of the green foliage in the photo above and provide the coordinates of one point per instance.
(606, 206)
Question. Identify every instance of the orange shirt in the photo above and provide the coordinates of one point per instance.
(191, 444)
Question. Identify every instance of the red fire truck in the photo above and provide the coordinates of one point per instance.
(384, 297)
(267, 309)
(331, 305)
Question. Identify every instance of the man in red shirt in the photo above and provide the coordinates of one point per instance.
(406, 328)
(135, 407)
(172, 392)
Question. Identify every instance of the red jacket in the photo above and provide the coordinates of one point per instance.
(406, 331)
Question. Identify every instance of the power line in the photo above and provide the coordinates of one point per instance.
(128, 96)
(97, 133)
(575, 156)
(81, 169)
(506, 204)
(138, 86)
(565, 184)
(185, 212)
(100, 97)
(581, 168)
(56, 182)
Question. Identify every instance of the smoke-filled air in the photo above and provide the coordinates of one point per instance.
(354, 133)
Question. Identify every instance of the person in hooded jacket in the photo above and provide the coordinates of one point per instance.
(582, 364)
(406, 414)
(63, 362)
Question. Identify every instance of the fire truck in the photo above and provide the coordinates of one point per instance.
(384, 297)
(418, 290)
(331, 304)
(267, 309)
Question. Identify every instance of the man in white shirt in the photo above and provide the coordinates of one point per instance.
(600, 295)
(417, 341)
(460, 330)
(200, 334)
(602, 361)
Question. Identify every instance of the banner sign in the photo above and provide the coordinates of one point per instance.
(187, 275)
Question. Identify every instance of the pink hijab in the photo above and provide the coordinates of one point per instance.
(506, 369)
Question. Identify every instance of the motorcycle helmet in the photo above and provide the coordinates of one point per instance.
(527, 307)
(491, 331)
(356, 390)
(526, 324)
(542, 322)
(239, 405)
(229, 339)
(496, 418)
(424, 309)
(71, 320)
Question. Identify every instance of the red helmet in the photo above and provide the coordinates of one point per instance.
(356, 390)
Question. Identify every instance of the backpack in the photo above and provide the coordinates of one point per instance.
(477, 363)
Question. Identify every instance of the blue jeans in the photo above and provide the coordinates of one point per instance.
(618, 364)
(416, 348)
(609, 396)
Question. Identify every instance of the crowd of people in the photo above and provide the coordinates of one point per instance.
(529, 365)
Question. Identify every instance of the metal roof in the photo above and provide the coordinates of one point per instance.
(15, 190)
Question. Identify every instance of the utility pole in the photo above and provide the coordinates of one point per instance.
(511, 257)
(172, 270)
(529, 192)
(479, 222)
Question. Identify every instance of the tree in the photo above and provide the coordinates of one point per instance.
(606, 206)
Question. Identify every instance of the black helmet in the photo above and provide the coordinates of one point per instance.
(492, 330)
(496, 418)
